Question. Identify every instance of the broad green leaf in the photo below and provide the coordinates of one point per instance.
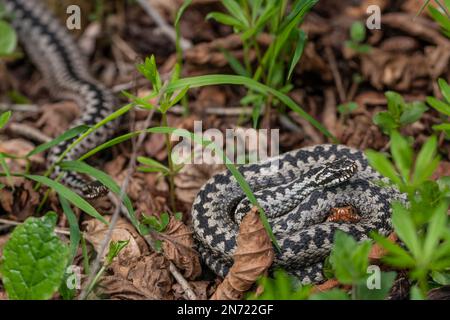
(8, 39)
(405, 229)
(69, 134)
(437, 226)
(364, 292)
(71, 196)
(34, 260)
(402, 153)
(381, 163)
(349, 259)
(385, 121)
(441, 278)
(114, 249)
(416, 294)
(397, 256)
(445, 89)
(441, 19)
(4, 118)
(426, 161)
(395, 103)
(358, 31)
(412, 112)
(440, 106)
(333, 294)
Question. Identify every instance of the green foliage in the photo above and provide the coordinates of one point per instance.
(357, 37)
(349, 261)
(34, 260)
(346, 108)
(281, 287)
(274, 67)
(156, 224)
(114, 249)
(442, 17)
(4, 118)
(422, 225)
(8, 39)
(399, 113)
(442, 106)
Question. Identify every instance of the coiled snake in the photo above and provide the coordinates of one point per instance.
(65, 70)
(297, 190)
(297, 195)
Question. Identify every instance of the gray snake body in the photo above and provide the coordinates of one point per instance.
(296, 205)
(65, 70)
(301, 231)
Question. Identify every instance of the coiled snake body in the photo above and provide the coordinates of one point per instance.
(297, 190)
(65, 70)
(297, 195)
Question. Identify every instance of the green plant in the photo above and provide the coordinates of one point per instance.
(34, 259)
(441, 17)
(114, 249)
(442, 107)
(422, 223)
(8, 37)
(399, 113)
(357, 37)
(275, 65)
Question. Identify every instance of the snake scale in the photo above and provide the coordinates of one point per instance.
(52, 49)
(297, 189)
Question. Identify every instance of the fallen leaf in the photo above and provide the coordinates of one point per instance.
(253, 257)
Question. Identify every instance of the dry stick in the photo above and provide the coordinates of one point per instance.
(336, 74)
(16, 223)
(28, 132)
(162, 25)
(19, 107)
(96, 264)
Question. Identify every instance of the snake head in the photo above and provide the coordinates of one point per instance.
(94, 190)
(335, 172)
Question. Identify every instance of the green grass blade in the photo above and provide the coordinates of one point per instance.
(81, 167)
(69, 134)
(75, 234)
(71, 196)
(253, 85)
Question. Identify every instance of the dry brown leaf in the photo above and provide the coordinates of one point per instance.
(57, 117)
(178, 247)
(327, 285)
(377, 251)
(191, 178)
(148, 278)
(95, 232)
(253, 257)
(20, 202)
(19, 148)
(202, 289)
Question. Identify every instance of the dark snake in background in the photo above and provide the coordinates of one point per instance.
(297, 189)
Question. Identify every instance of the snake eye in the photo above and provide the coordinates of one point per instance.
(335, 172)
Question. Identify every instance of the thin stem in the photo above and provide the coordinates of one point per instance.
(170, 162)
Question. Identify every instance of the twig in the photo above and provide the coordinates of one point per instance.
(336, 75)
(162, 25)
(28, 132)
(19, 107)
(16, 223)
(97, 262)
